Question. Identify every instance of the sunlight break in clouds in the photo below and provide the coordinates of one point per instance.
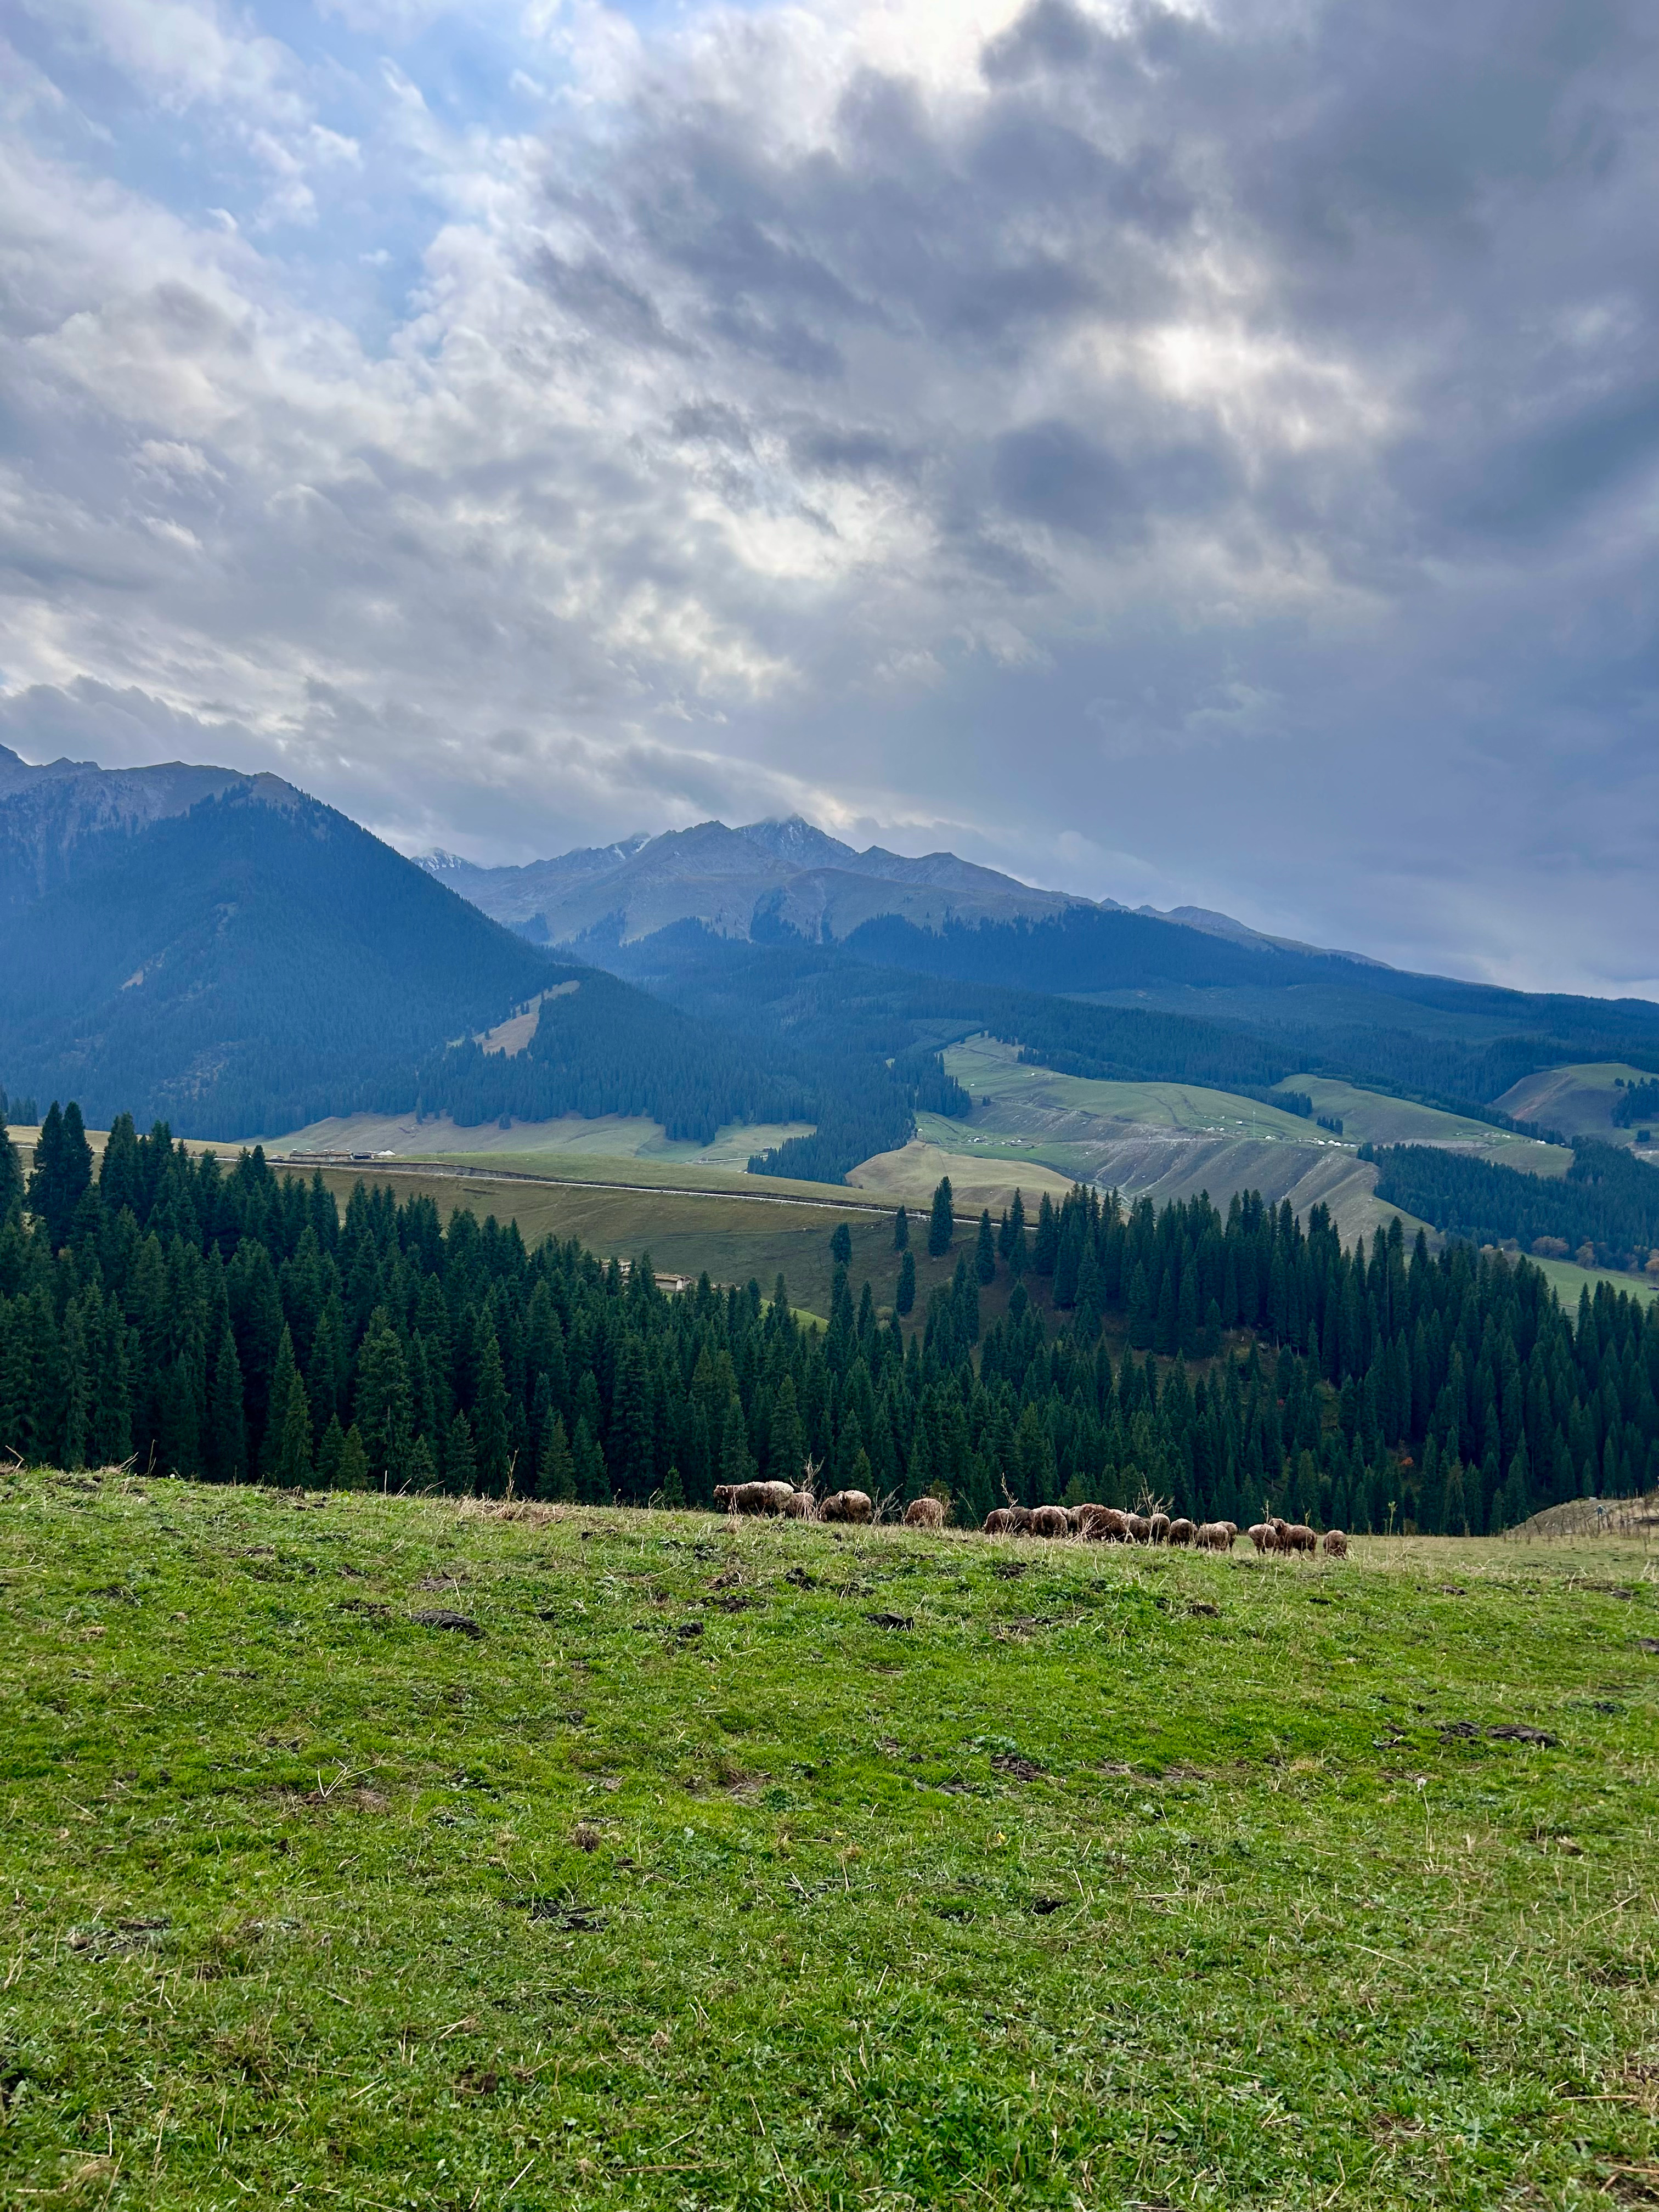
(1199, 454)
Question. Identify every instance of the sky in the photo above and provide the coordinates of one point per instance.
(1203, 454)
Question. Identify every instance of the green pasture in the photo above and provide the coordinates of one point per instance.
(1374, 1117)
(771, 1865)
(1028, 1101)
(1577, 1100)
(606, 1138)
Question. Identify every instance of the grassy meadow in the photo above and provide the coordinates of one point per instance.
(771, 1865)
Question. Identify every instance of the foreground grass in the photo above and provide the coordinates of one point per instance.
(792, 1867)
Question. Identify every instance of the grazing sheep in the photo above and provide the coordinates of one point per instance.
(1336, 1544)
(847, 1505)
(924, 1513)
(747, 1497)
(1215, 1536)
(998, 1522)
(1110, 1525)
(1157, 1529)
(1298, 1537)
(1019, 1520)
(800, 1505)
(1078, 1516)
(1182, 1531)
(1264, 1536)
(1138, 1527)
(1050, 1520)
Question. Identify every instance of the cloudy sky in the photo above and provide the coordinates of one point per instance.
(1201, 454)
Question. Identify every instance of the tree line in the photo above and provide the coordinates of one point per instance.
(234, 1324)
(1608, 1200)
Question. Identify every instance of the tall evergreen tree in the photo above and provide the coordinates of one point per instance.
(460, 1460)
(840, 1245)
(985, 1251)
(555, 1470)
(941, 1220)
(904, 1298)
(901, 1230)
(293, 1468)
(62, 1171)
(489, 1422)
(227, 1426)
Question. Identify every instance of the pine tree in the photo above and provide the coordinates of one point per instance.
(460, 1462)
(904, 1298)
(593, 1486)
(1019, 1251)
(489, 1424)
(941, 1221)
(330, 1454)
(63, 1170)
(735, 1465)
(786, 1447)
(840, 1245)
(985, 1251)
(555, 1470)
(382, 1408)
(353, 1462)
(227, 1428)
(901, 1230)
(282, 1387)
(293, 1470)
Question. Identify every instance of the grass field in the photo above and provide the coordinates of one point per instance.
(782, 1866)
(1374, 1118)
(608, 1136)
(1577, 1100)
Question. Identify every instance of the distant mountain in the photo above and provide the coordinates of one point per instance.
(767, 880)
(224, 952)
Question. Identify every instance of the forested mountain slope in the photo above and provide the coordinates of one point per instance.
(259, 961)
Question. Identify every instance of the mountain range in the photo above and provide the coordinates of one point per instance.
(223, 952)
(767, 880)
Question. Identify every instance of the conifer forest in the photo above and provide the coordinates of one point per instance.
(228, 1325)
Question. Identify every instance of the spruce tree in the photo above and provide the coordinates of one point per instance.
(840, 1245)
(941, 1221)
(227, 1427)
(901, 1230)
(293, 1468)
(489, 1423)
(63, 1170)
(555, 1470)
(735, 1465)
(460, 1462)
(422, 1468)
(904, 1298)
(985, 1251)
(353, 1462)
(282, 1387)
(787, 1446)
(330, 1453)
(382, 1408)
(592, 1485)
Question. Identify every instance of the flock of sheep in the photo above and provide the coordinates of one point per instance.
(1096, 1524)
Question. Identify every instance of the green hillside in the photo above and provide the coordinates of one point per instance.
(768, 1865)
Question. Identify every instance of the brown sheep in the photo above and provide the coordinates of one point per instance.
(998, 1522)
(1109, 1525)
(1157, 1529)
(743, 1498)
(1182, 1531)
(924, 1513)
(1138, 1527)
(800, 1505)
(1019, 1520)
(1298, 1537)
(1336, 1544)
(1264, 1536)
(847, 1505)
(1215, 1536)
(1049, 1520)
(1078, 1516)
